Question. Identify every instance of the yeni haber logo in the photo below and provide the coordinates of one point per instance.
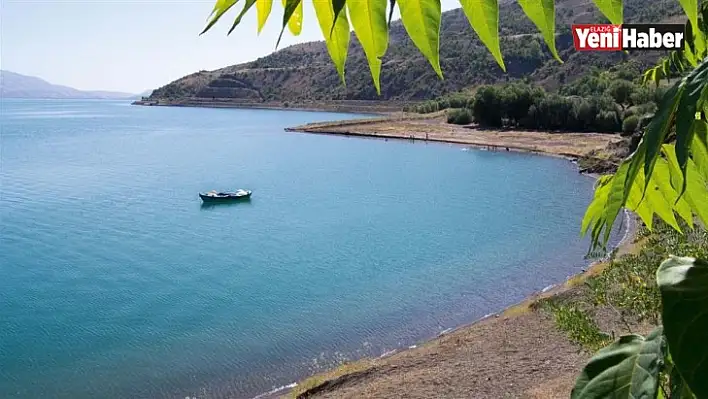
(605, 37)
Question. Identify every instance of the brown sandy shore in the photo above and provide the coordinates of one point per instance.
(432, 127)
(517, 353)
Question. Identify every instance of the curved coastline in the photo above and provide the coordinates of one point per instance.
(628, 230)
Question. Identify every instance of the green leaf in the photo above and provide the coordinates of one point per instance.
(659, 199)
(336, 34)
(543, 15)
(246, 7)
(696, 194)
(693, 88)
(699, 148)
(484, 18)
(337, 6)
(368, 17)
(690, 7)
(421, 18)
(628, 368)
(264, 8)
(612, 9)
(290, 7)
(617, 197)
(220, 8)
(295, 20)
(650, 146)
(683, 283)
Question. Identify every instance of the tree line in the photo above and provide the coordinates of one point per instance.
(609, 102)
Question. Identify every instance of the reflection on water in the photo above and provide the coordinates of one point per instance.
(226, 203)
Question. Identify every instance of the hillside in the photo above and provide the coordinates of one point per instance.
(304, 72)
(15, 85)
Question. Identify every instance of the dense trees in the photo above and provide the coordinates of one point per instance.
(609, 102)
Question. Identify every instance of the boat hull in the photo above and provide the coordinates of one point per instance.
(229, 198)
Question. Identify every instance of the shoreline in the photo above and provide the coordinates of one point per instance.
(373, 107)
(433, 128)
(361, 368)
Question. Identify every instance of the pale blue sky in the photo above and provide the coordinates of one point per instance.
(132, 45)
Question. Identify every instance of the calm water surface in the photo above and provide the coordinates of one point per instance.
(115, 282)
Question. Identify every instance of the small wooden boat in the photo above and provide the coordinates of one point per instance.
(214, 196)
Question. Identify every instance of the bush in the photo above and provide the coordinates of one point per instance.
(487, 108)
(608, 122)
(460, 116)
(630, 124)
(621, 91)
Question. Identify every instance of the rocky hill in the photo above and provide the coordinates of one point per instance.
(304, 72)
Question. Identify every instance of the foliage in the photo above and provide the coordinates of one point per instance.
(530, 107)
(684, 291)
(666, 177)
(621, 91)
(625, 369)
(459, 116)
(628, 283)
(578, 325)
(630, 124)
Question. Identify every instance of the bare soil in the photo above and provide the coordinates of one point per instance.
(521, 356)
(434, 128)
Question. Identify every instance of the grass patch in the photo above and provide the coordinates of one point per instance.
(625, 285)
(317, 379)
(580, 327)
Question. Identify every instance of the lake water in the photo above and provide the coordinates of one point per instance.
(115, 282)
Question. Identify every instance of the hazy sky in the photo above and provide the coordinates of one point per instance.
(132, 45)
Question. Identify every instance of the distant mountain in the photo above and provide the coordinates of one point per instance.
(15, 85)
(304, 72)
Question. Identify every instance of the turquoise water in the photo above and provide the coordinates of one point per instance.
(116, 282)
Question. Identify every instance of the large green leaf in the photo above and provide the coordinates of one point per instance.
(650, 146)
(699, 148)
(220, 8)
(659, 199)
(693, 88)
(264, 8)
(696, 194)
(421, 18)
(295, 19)
(683, 283)
(336, 34)
(628, 368)
(338, 6)
(484, 18)
(690, 7)
(543, 14)
(368, 17)
(612, 9)
(291, 7)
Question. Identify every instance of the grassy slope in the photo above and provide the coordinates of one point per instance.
(304, 72)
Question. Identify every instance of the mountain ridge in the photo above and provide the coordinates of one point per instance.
(304, 72)
(16, 85)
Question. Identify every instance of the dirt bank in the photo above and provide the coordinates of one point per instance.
(434, 128)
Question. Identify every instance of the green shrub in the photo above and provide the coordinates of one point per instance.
(459, 116)
(630, 124)
(608, 122)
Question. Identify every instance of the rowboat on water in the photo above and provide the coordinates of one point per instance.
(214, 196)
